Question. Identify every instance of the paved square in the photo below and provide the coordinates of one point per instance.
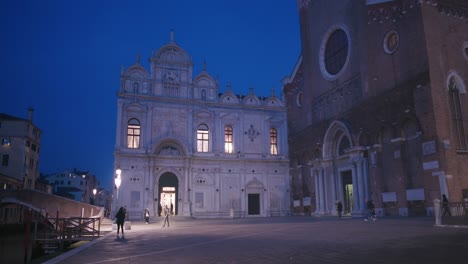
(279, 240)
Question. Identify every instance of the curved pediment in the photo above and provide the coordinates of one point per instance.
(204, 80)
(172, 52)
(170, 147)
(136, 72)
(229, 97)
(251, 99)
(254, 183)
(135, 107)
(203, 114)
(273, 101)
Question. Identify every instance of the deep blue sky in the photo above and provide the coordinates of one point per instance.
(63, 59)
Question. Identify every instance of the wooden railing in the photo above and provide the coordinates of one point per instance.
(59, 232)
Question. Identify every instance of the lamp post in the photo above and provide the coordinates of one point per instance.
(94, 196)
(117, 182)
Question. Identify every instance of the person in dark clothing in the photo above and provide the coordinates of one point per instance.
(172, 209)
(371, 208)
(339, 208)
(159, 209)
(445, 206)
(147, 216)
(120, 219)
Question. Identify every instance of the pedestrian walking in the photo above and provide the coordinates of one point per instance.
(166, 218)
(172, 209)
(339, 208)
(371, 211)
(159, 209)
(119, 220)
(445, 206)
(147, 216)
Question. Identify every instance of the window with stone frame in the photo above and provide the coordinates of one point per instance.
(133, 133)
(273, 141)
(202, 138)
(228, 140)
(456, 95)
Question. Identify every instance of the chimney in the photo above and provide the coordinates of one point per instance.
(30, 114)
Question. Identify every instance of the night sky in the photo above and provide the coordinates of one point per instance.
(63, 59)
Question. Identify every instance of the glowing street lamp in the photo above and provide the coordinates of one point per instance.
(94, 196)
(117, 182)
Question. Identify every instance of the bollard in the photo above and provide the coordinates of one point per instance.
(437, 213)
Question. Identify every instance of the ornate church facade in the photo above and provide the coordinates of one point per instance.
(377, 106)
(182, 143)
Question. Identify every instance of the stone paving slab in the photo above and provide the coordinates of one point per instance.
(278, 240)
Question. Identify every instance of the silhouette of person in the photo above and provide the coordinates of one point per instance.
(120, 219)
(159, 209)
(339, 208)
(147, 216)
(172, 208)
(371, 208)
(166, 218)
(445, 206)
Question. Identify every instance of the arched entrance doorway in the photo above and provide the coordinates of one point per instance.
(169, 191)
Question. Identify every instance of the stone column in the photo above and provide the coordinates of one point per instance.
(118, 130)
(355, 189)
(333, 189)
(360, 178)
(317, 191)
(322, 191)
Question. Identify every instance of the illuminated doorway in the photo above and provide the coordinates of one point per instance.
(348, 203)
(168, 192)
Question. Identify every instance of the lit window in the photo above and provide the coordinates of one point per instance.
(133, 133)
(457, 113)
(228, 146)
(202, 138)
(273, 141)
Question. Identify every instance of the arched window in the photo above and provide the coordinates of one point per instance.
(273, 141)
(203, 95)
(135, 87)
(228, 144)
(202, 138)
(455, 91)
(133, 133)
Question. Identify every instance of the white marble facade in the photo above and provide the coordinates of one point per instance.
(180, 141)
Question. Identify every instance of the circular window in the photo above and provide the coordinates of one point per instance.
(299, 99)
(391, 42)
(334, 52)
